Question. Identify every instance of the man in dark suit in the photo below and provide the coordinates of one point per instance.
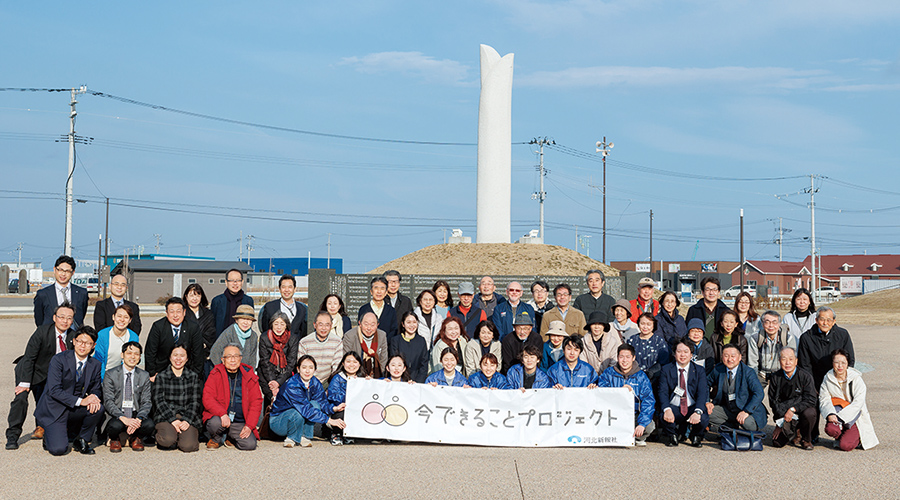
(168, 332)
(682, 394)
(381, 308)
(46, 299)
(72, 398)
(224, 306)
(401, 303)
(106, 308)
(31, 370)
(295, 310)
(128, 401)
(736, 396)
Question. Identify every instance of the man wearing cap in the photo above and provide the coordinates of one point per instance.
(572, 318)
(224, 305)
(553, 346)
(511, 346)
(600, 346)
(487, 298)
(505, 311)
(626, 373)
(704, 355)
(571, 371)
(242, 334)
(710, 309)
(232, 402)
(168, 332)
(467, 312)
(594, 299)
(622, 321)
(644, 303)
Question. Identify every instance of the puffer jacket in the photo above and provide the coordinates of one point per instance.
(644, 401)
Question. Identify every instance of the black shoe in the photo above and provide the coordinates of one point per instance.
(150, 441)
(697, 441)
(12, 445)
(671, 440)
(82, 446)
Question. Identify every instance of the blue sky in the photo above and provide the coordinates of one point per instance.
(693, 94)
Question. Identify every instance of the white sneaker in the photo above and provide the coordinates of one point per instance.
(289, 443)
(640, 443)
(305, 443)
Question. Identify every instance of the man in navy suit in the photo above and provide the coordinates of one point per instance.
(105, 309)
(224, 306)
(682, 394)
(736, 397)
(72, 397)
(380, 307)
(31, 370)
(47, 299)
(295, 310)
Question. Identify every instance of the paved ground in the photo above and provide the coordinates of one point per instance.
(416, 471)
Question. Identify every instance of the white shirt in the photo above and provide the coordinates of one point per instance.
(290, 309)
(676, 400)
(84, 361)
(114, 353)
(63, 296)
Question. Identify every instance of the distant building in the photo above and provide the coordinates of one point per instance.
(150, 280)
(683, 277)
(296, 266)
(848, 273)
(114, 260)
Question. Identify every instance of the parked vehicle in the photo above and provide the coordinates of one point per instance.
(736, 290)
(14, 286)
(829, 292)
(91, 284)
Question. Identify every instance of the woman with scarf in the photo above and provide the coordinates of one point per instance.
(429, 318)
(802, 316)
(340, 322)
(241, 333)
(452, 335)
(277, 356)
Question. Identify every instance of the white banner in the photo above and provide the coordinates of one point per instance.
(539, 417)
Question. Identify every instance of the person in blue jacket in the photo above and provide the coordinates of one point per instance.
(118, 334)
(553, 347)
(488, 377)
(351, 367)
(626, 373)
(449, 375)
(571, 371)
(527, 375)
(300, 404)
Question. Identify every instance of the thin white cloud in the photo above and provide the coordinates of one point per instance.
(414, 64)
(659, 76)
(865, 87)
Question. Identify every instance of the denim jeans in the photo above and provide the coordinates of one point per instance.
(292, 424)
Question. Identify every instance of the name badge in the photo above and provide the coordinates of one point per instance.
(231, 415)
(127, 405)
(731, 397)
(679, 392)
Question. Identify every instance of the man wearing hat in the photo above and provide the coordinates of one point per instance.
(240, 333)
(467, 312)
(168, 332)
(571, 317)
(553, 346)
(644, 303)
(511, 346)
(600, 346)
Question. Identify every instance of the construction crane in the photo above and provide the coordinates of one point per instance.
(696, 247)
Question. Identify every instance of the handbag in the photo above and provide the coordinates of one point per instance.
(740, 440)
(265, 432)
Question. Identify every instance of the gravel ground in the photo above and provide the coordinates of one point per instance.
(397, 470)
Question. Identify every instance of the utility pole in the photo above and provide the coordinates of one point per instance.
(158, 236)
(742, 251)
(189, 249)
(241, 247)
(541, 195)
(576, 237)
(780, 238)
(651, 243)
(106, 245)
(328, 262)
(249, 247)
(19, 249)
(812, 233)
(68, 236)
(603, 148)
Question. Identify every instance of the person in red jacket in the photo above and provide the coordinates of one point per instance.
(232, 403)
(645, 303)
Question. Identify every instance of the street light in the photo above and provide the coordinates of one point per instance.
(603, 148)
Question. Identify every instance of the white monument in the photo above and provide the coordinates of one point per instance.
(492, 199)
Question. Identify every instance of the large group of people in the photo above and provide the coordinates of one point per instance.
(213, 371)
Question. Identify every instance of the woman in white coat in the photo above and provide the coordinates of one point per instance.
(429, 318)
(842, 401)
(803, 313)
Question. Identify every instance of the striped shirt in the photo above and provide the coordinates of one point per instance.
(327, 354)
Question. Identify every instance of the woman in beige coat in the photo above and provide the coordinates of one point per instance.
(486, 341)
(842, 401)
(600, 346)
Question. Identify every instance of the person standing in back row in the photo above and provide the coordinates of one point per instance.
(710, 309)
(595, 299)
(47, 299)
(224, 306)
(106, 308)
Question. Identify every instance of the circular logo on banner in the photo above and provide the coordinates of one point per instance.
(375, 413)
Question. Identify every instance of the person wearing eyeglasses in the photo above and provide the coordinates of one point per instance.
(72, 397)
(224, 306)
(573, 318)
(709, 309)
(105, 309)
(503, 314)
(47, 299)
(232, 403)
